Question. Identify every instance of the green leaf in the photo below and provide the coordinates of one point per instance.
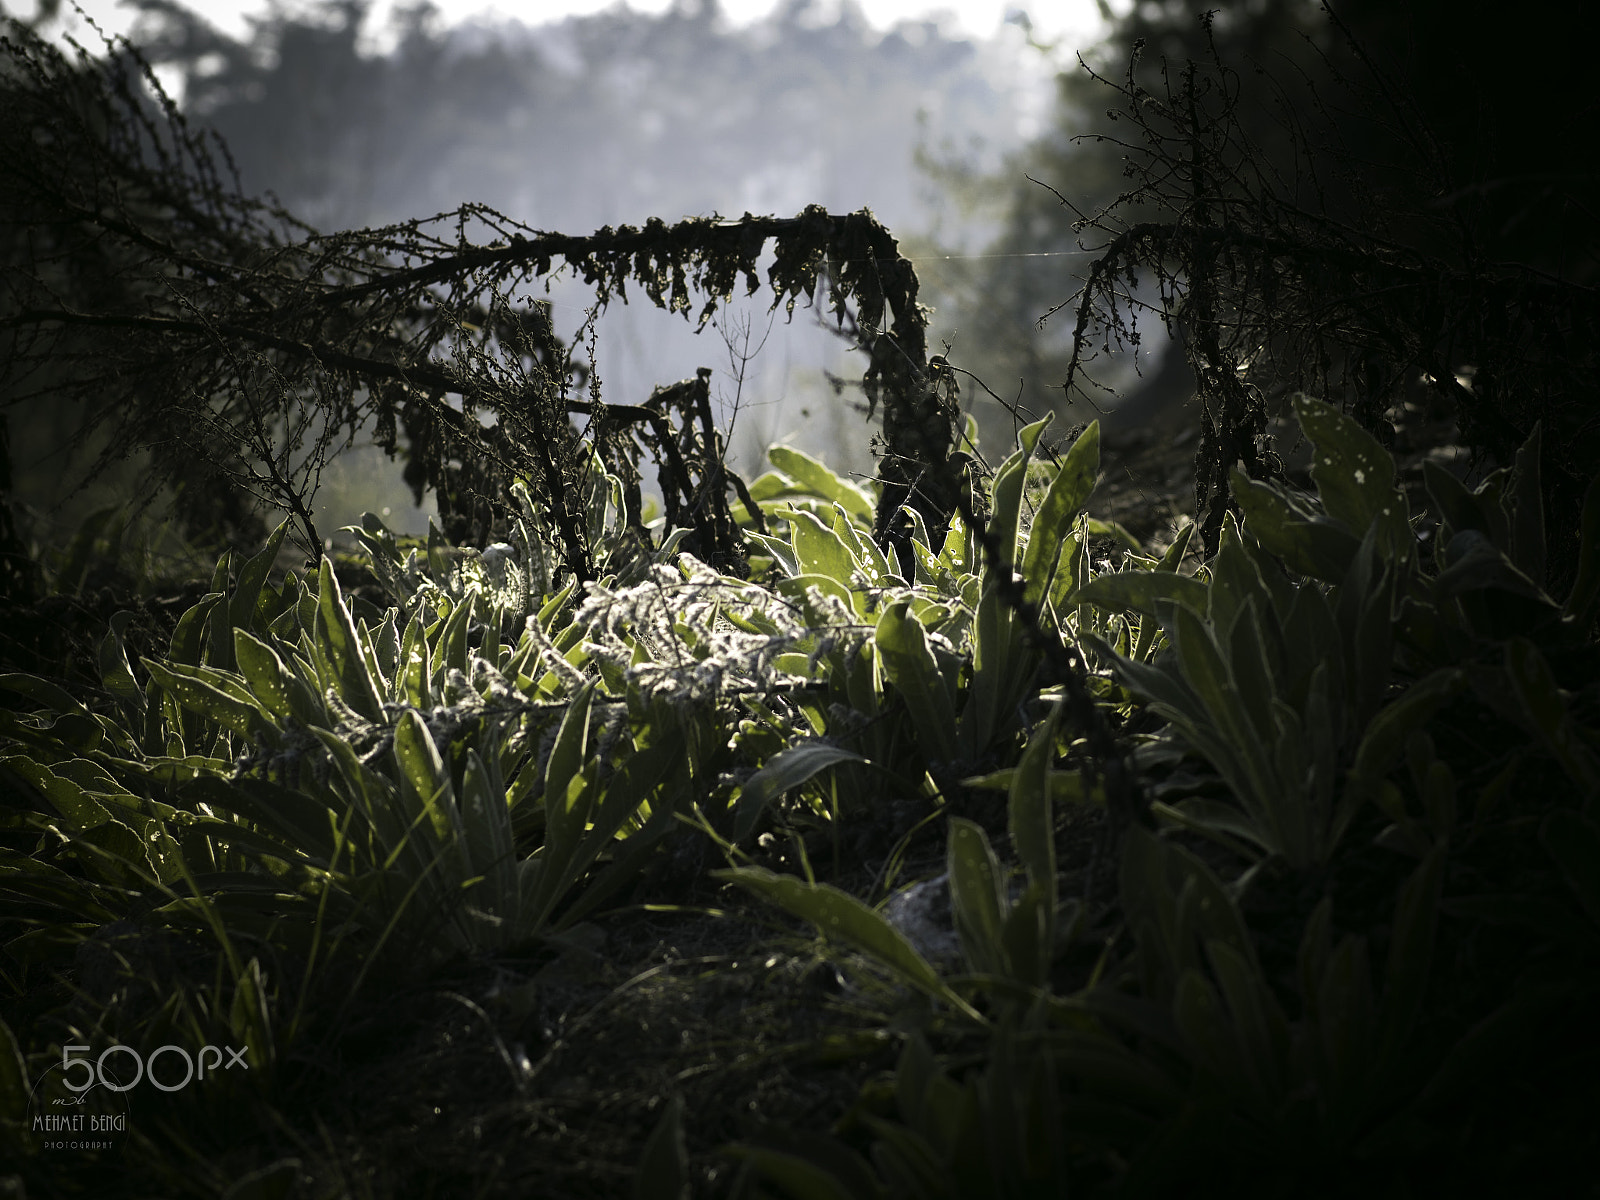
(571, 749)
(246, 596)
(1142, 591)
(839, 914)
(1459, 509)
(1260, 1028)
(264, 671)
(911, 667)
(452, 643)
(207, 692)
(185, 645)
(802, 1175)
(871, 560)
(819, 550)
(116, 673)
(1115, 530)
(1385, 738)
(977, 897)
(486, 828)
(816, 479)
(1354, 474)
(1308, 544)
(1207, 673)
(1006, 499)
(785, 770)
(1069, 491)
(337, 635)
(68, 798)
(14, 1090)
(423, 772)
(1029, 810)
(80, 553)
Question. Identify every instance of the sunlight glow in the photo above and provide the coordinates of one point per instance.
(1074, 21)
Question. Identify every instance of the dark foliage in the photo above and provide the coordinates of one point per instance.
(1295, 263)
(244, 349)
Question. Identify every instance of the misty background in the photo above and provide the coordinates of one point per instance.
(977, 152)
(611, 119)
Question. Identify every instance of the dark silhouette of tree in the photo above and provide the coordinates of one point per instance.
(237, 344)
(1306, 202)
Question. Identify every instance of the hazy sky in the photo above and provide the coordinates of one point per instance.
(980, 18)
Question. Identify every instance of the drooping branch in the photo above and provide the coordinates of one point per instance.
(1292, 269)
(181, 313)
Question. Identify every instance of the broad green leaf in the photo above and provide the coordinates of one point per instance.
(452, 643)
(42, 691)
(1006, 500)
(908, 1161)
(1354, 474)
(68, 798)
(1459, 509)
(1029, 810)
(911, 667)
(423, 771)
(80, 552)
(637, 782)
(186, 638)
(1261, 1031)
(1474, 564)
(1200, 1016)
(286, 813)
(486, 830)
(1308, 545)
(818, 549)
(872, 561)
(337, 637)
(1385, 738)
(1207, 673)
(840, 915)
(264, 671)
(799, 1177)
(14, 1090)
(246, 596)
(977, 897)
(1141, 591)
(817, 479)
(1068, 493)
(115, 672)
(1253, 677)
(206, 693)
(1115, 530)
(785, 770)
(571, 749)
(1219, 821)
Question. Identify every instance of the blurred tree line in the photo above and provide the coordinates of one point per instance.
(599, 120)
(596, 120)
(1422, 118)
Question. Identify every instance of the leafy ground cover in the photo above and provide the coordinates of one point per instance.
(824, 882)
